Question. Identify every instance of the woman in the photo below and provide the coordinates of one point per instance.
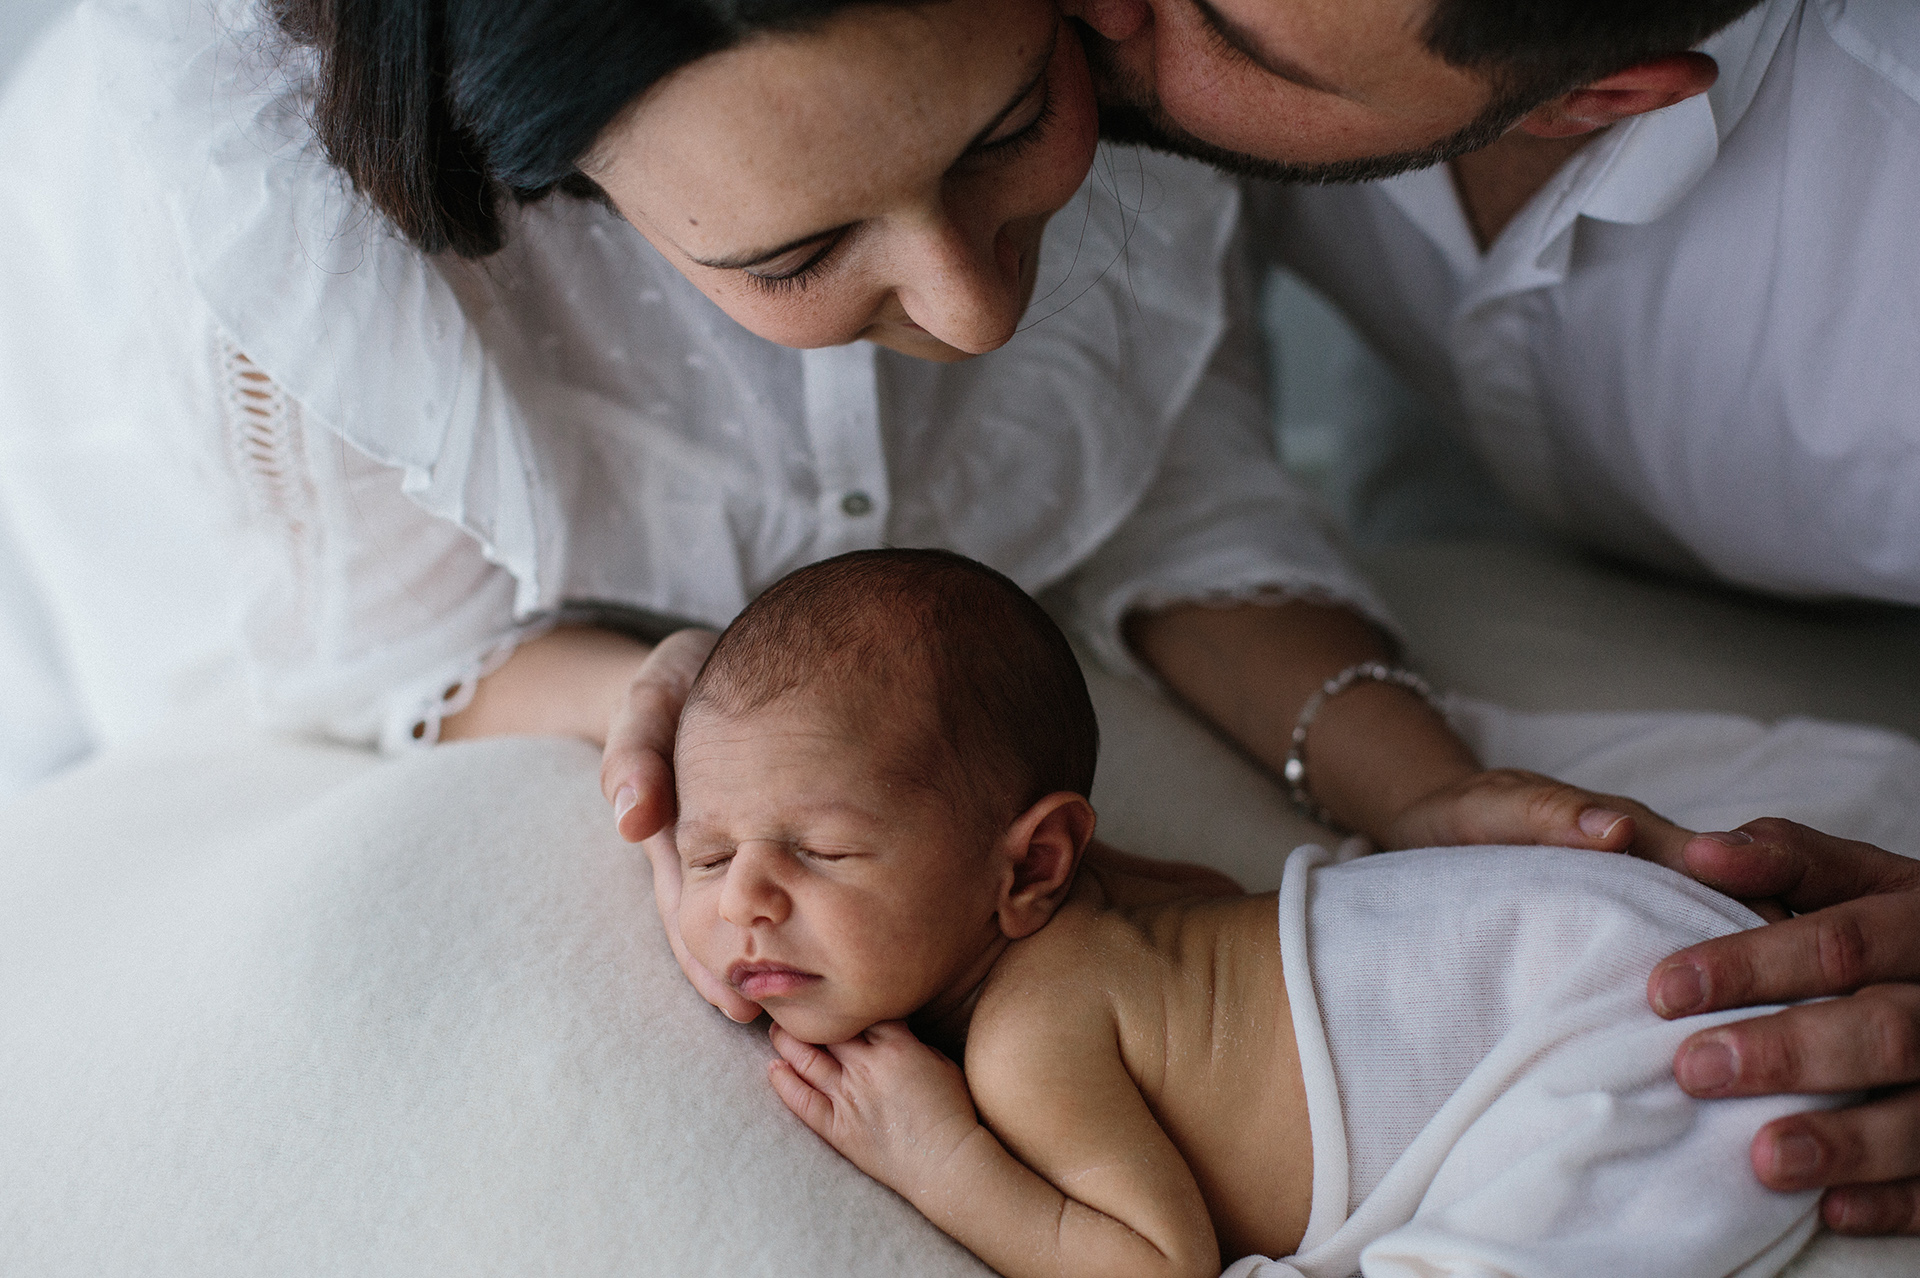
(468, 331)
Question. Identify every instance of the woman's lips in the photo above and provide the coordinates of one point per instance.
(761, 981)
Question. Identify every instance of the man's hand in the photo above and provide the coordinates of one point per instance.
(636, 776)
(897, 1109)
(1857, 941)
(1506, 805)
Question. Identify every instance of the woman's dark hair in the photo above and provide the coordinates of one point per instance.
(1535, 50)
(436, 110)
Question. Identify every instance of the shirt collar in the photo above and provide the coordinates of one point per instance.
(1635, 174)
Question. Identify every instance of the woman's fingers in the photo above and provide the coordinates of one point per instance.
(636, 769)
(1506, 805)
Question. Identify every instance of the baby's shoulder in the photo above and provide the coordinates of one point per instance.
(1065, 978)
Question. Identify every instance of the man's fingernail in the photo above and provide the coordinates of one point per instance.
(1728, 838)
(1679, 990)
(623, 802)
(1796, 1156)
(1707, 1067)
(1598, 823)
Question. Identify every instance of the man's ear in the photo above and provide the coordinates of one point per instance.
(1643, 87)
(1042, 850)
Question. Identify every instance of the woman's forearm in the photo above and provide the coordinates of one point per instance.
(566, 683)
(1249, 668)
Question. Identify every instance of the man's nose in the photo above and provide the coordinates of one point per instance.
(967, 289)
(753, 893)
(1117, 20)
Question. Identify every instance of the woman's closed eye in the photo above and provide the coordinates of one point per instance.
(795, 267)
(1025, 127)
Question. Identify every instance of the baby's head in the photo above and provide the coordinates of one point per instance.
(882, 774)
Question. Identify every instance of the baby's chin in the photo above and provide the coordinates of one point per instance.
(819, 1026)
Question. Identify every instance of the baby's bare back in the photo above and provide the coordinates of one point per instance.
(1194, 995)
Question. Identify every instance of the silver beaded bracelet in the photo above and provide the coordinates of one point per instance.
(1295, 772)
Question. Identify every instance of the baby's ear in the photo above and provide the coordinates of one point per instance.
(1042, 851)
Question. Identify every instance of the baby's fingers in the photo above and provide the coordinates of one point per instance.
(808, 1103)
(813, 1064)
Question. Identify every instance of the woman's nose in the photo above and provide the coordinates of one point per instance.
(752, 893)
(969, 290)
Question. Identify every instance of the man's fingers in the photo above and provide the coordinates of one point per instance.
(1873, 1209)
(1806, 869)
(1869, 1144)
(1833, 951)
(1869, 1040)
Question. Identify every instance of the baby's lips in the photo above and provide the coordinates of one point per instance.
(761, 981)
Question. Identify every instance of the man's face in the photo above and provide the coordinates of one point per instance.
(816, 881)
(1297, 90)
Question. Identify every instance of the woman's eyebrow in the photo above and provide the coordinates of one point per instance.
(754, 257)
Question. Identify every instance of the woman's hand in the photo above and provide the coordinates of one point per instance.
(894, 1107)
(1378, 757)
(636, 776)
(1506, 805)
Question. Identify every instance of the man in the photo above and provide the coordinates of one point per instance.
(1657, 263)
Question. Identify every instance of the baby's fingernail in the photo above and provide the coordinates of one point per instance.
(623, 802)
(1728, 838)
(1679, 990)
(1706, 1067)
(740, 1020)
(1598, 823)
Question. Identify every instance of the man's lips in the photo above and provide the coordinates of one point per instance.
(761, 981)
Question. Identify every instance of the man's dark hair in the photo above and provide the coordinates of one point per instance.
(438, 110)
(1535, 50)
(1006, 716)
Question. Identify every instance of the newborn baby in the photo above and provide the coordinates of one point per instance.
(1434, 1062)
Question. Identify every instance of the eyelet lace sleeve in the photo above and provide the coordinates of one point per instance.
(365, 618)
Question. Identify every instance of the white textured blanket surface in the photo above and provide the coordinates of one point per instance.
(271, 1008)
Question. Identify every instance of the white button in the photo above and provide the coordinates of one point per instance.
(856, 504)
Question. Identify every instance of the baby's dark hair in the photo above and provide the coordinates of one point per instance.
(1007, 712)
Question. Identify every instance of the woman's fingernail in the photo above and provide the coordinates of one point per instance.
(1598, 823)
(623, 802)
(1728, 838)
(1707, 1067)
(1679, 990)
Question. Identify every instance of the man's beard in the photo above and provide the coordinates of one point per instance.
(1130, 113)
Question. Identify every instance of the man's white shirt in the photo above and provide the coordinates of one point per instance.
(1699, 344)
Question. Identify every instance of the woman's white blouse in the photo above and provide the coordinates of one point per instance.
(368, 473)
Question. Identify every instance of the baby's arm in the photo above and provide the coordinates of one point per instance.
(1086, 1182)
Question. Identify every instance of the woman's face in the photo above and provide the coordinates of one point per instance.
(885, 176)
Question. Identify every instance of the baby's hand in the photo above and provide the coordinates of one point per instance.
(897, 1109)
